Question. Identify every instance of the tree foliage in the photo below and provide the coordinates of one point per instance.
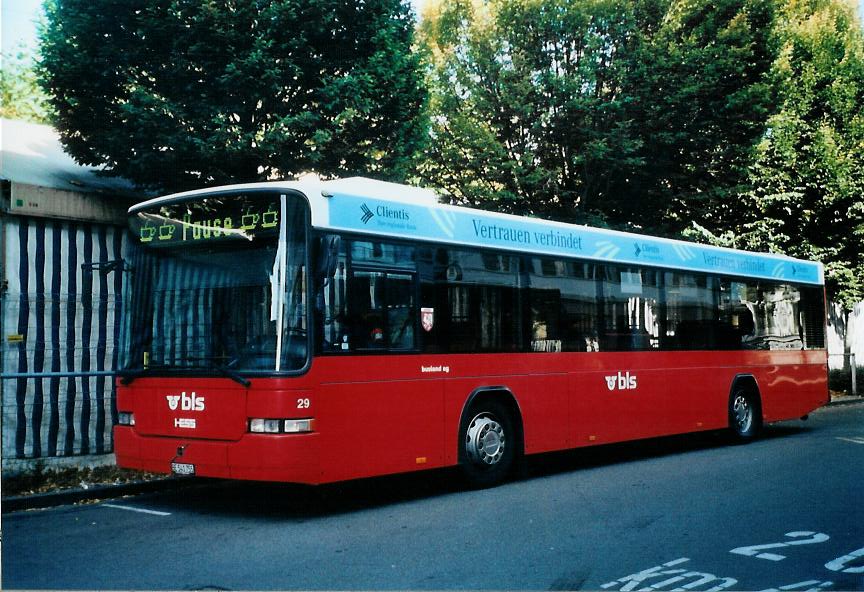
(634, 114)
(807, 179)
(20, 95)
(528, 111)
(702, 96)
(175, 94)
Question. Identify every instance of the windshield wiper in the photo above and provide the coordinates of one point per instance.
(223, 370)
(129, 375)
(232, 374)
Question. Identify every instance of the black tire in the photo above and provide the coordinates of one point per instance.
(488, 444)
(745, 414)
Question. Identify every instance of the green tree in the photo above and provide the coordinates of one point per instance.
(174, 94)
(527, 109)
(701, 95)
(807, 179)
(636, 114)
(20, 95)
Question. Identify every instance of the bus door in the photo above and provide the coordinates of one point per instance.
(375, 395)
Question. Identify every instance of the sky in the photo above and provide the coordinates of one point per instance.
(18, 23)
(18, 18)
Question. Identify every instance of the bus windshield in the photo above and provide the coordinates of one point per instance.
(217, 285)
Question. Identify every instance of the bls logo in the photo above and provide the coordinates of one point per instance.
(622, 382)
(186, 402)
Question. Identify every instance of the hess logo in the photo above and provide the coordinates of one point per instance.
(621, 382)
(185, 402)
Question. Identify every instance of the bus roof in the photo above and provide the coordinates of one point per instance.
(391, 210)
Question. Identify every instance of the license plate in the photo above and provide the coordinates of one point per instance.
(182, 468)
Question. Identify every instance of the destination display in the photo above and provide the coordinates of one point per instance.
(458, 225)
(215, 219)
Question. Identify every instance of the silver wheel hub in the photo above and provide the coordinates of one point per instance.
(485, 440)
(742, 413)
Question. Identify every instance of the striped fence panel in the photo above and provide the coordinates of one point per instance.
(58, 318)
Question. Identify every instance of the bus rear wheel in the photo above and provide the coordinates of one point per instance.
(745, 414)
(487, 444)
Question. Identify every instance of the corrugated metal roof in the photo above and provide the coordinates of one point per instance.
(32, 154)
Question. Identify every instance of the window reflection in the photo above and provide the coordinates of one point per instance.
(481, 301)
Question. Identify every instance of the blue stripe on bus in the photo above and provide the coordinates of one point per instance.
(481, 229)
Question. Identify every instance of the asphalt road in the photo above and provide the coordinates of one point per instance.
(783, 513)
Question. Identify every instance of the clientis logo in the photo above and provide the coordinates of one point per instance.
(621, 382)
(185, 402)
(400, 214)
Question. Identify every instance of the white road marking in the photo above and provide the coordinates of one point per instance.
(815, 537)
(840, 563)
(810, 585)
(637, 580)
(853, 440)
(141, 510)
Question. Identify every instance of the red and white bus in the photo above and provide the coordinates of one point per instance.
(315, 331)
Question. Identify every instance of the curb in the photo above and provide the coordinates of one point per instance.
(850, 400)
(97, 492)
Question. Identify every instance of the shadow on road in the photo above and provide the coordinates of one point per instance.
(299, 502)
(610, 454)
(286, 500)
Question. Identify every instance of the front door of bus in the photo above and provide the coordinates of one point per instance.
(378, 406)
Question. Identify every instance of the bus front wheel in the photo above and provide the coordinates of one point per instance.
(488, 444)
(745, 414)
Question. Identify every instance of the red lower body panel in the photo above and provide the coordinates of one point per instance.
(290, 458)
(377, 415)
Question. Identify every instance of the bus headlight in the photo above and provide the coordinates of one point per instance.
(296, 426)
(126, 419)
(280, 426)
(264, 426)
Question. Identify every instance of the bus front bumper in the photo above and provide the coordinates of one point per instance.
(290, 458)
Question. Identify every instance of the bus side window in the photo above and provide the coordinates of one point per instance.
(331, 300)
(401, 317)
(563, 305)
(381, 310)
(812, 311)
(631, 309)
(692, 314)
(477, 301)
(366, 310)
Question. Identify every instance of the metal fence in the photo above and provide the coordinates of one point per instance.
(60, 323)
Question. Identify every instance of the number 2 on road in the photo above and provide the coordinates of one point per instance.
(754, 550)
(840, 563)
